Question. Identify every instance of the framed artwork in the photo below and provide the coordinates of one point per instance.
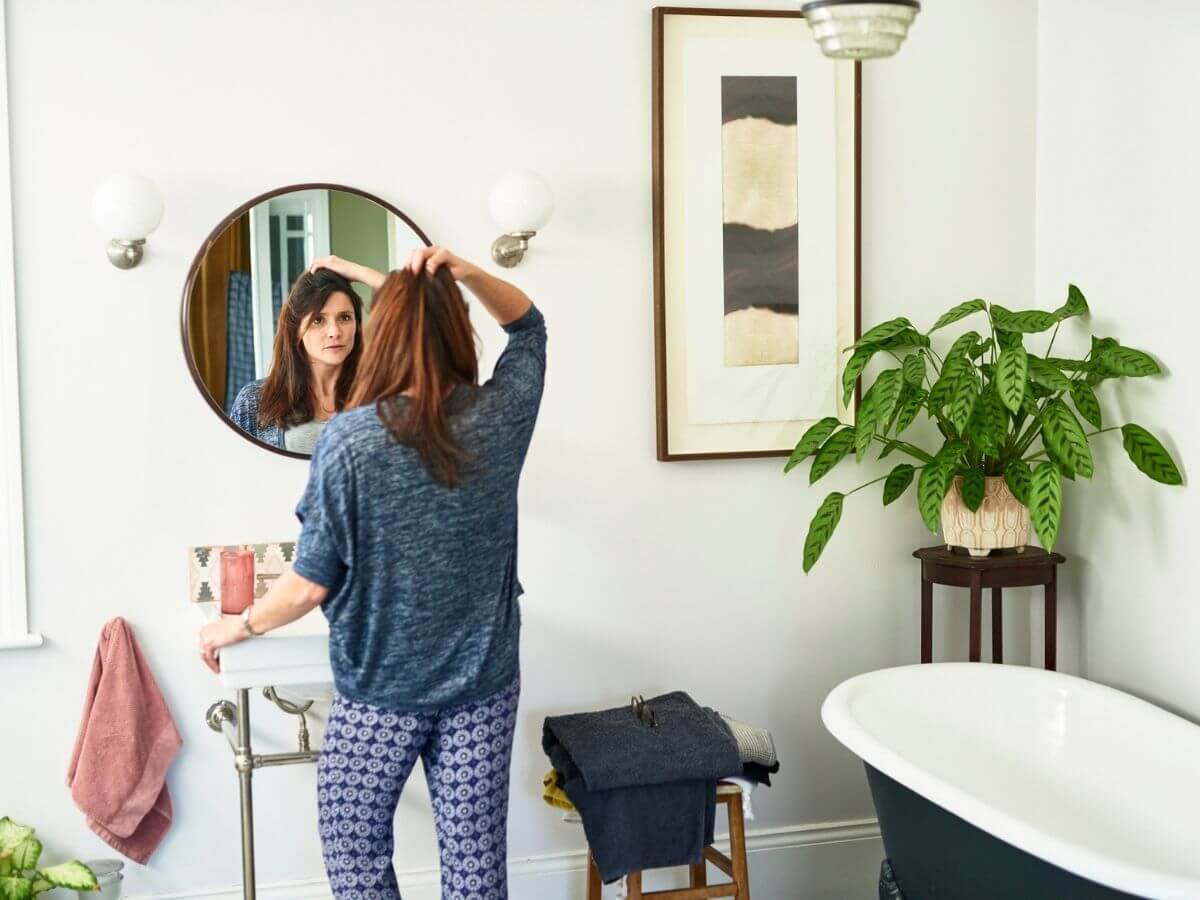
(756, 144)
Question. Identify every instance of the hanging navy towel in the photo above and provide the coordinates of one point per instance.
(646, 795)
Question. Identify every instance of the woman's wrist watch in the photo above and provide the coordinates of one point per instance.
(250, 632)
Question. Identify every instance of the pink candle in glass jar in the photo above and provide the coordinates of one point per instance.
(237, 580)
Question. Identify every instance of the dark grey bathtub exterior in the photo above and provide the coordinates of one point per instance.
(936, 855)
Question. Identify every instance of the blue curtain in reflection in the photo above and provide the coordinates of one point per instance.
(239, 354)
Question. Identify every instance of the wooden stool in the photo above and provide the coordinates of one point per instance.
(1004, 568)
(733, 865)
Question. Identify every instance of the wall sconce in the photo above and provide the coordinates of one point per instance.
(854, 29)
(128, 207)
(520, 203)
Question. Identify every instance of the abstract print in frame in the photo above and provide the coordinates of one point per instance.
(756, 230)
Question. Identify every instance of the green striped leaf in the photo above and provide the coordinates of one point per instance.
(1076, 305)
(931, 489)
(1006, 340)
(1062, 436)
(1086, 402)
(1064, 467)
(1029, 405)
(1011, 371)
(905, 340)
(909, 409)
(1130, 362)
(962, 346)
(890, 384)
(1048, 376)
(832, 452)
(820, 530)
(866, 422)
(811, 441)
(1149, 455)
(943, 388)
(897, 482)
(972, 489)
(854, 367)
(1029, 321)
(1017, 476)
(958, 312)
(878, 405)
(883, 331)
(914, 369)
(989, 423)
(950, 454)
(966, 392)
(1045, 502)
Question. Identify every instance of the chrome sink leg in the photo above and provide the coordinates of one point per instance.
(244, 763)
(234, 722)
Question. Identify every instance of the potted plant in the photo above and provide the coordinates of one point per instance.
(20, 879)
(1008, 420)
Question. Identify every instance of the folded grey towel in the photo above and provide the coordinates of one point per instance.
(755, 745)
(613, 748)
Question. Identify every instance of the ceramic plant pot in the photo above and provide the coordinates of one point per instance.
(1000, 523)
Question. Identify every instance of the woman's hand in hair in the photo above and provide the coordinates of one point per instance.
(351, 271)
(430, 259)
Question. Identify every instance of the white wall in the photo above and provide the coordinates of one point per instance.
(1118, 213)
(641, 576)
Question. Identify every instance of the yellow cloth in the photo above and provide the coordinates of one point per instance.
(553, 793)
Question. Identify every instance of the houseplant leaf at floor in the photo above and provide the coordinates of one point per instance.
(1012, 422)
(21, 879)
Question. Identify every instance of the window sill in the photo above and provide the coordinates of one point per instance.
(20, 641)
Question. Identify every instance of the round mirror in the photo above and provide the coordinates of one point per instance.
(269, 344)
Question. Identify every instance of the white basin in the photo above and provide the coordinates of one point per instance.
(294, 657)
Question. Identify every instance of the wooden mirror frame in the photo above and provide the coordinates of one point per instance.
(185, 307)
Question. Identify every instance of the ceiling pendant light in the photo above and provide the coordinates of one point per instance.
(854, 29)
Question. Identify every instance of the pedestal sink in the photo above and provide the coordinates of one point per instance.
(291, 666)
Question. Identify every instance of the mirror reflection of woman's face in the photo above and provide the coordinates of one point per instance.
(329, 334)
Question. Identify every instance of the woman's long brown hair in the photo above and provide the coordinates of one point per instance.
(287, 398)
(419, 338)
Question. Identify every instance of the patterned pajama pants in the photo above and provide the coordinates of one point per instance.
(366, 758)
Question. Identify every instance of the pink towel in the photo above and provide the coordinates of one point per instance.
(125, 744)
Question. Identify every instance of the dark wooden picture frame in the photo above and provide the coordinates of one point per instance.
(185, 306)
(665, 451)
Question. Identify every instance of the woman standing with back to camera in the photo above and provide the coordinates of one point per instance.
(408, 543)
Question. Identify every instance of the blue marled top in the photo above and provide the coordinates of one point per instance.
(422, 608)
(245, 415)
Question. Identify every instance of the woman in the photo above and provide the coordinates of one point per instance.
(408, 544)
(316, 354)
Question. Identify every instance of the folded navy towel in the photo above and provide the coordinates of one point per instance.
(647, 796)
(614, 748)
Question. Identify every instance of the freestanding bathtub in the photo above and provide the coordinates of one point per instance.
(995, 781)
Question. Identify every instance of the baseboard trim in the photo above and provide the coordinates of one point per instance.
(520, 869)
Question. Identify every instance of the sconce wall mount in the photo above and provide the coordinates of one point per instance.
(125, 254)
(520, 203)
(128, 207)
(509, 249)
